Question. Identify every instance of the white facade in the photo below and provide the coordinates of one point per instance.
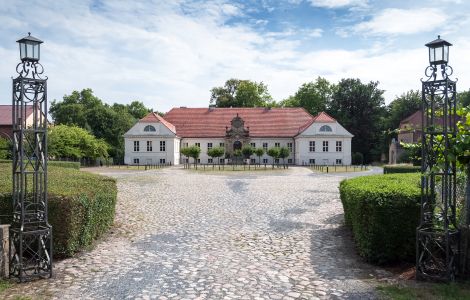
(151, 147)
(320, 143)
(323, 147)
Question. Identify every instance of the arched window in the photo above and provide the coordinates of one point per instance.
(325, 128)
(149, 128)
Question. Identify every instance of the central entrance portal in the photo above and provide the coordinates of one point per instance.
(237, 145)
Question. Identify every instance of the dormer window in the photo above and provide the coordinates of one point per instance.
(149, 128)
(325, 128)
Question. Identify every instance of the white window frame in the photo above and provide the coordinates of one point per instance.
(136, 161)
(290, 146)
(162, 146)
(339, 146)
(311, 146)
(253, 145)
(136, 146)
(277, 145)
(325, 146)
(265, 146)
(149, 146)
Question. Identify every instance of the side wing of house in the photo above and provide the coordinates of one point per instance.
(323, 143)
(151, 142)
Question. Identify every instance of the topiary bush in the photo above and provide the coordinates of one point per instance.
(81, 206)
(383, 213)
(401, 168)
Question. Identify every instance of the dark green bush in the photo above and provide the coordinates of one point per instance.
(54, 163)
(357, 158)
(403, 168)
(81, 206)
(65, 164)
(383, 212)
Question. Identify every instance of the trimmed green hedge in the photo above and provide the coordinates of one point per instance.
(54, 163)
(403, 168)
(383, 212)
(81, 206)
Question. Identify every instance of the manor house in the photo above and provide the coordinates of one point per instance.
(311, 139)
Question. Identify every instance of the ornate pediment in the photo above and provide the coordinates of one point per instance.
(237, 129)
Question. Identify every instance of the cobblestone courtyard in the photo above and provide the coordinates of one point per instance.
(183, 235)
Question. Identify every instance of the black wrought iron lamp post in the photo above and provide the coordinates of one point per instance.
(30, 232)
(437, 242)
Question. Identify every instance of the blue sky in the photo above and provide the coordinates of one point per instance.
(171, 53)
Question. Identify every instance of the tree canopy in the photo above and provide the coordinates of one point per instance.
(241, 93)
(85, 110)
(74, 142)
(314, 96)
(402, 107)
(360, 108)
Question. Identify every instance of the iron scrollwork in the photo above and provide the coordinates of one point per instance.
(30, 232)
(437, 242)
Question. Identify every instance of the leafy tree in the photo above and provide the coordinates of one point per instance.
(290, 101)
(185, 151)
(241, 93)
(402, 107)
(216, 152)
(247, 151)
(315, 96)
(259, 152)
(75, 143)
(5, 148)
(463, 98)
(360, 109)
(87, 111)
(237, 153)
(274, 152)
(284, 153)
(193, 152)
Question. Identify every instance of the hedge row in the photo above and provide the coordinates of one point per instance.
(383, 212)
(403, 168)
(54, 163)
(81, 206)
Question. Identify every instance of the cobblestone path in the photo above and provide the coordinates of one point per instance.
(188, 235)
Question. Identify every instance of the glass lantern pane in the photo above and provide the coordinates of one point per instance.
(446, 53)
(439, 53)
(22, 50)
(29, 50)
(432, 55)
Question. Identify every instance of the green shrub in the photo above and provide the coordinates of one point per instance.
(403, 168)
(383, 212)
(54, 163)
(357, 158)
(81, 206)
(65, 164)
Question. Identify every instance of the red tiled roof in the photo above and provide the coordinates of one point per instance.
(5, 114)
(263, 122)
(323, 117)
(154, 117)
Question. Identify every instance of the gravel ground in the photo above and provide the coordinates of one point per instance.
(182, 234)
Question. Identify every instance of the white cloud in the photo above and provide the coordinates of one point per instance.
(402, 21)
(167, 56)
(337, 3)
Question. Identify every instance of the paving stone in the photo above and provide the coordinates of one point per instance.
(180, 234)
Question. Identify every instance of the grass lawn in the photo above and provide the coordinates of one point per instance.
(339, 169)
(236, 168)
(426, 291)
